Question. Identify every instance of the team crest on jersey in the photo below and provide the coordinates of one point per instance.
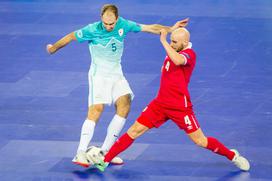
(121, 32)
(80, 34)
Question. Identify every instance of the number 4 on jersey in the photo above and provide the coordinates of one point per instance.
(187, 120)
(167, 66)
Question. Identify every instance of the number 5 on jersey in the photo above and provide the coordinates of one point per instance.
(113, 47)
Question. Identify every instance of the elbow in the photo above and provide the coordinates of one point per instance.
(175, 62)
(71, 36)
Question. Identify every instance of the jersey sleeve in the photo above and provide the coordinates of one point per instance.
(132, 26)
(85, 33)
(189, 57)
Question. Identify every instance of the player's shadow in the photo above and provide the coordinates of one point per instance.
(88, 173)
(235, 176)
(113, 171)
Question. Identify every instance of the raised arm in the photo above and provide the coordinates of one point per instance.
(61, 43)
(156, 28)
(173, 54)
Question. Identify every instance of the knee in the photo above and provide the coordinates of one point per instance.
(202, 142)
(123, 105)
(95, 111)
(97, 108)
(123, 109)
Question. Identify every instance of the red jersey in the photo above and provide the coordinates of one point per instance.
(175, 79)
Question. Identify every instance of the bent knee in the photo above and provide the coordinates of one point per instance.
(123, 110)
(97, 108)
(94, 112)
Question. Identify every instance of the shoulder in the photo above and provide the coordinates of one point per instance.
(189, 56)
(96, 26)
(124, 22)
(121, 21)
(189, 53)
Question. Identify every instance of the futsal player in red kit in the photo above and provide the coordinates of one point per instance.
(173, 102)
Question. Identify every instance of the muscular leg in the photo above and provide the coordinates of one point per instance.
(122, 106)
(210, 143)
(88, 126)
(199, 138)
(136, 130)
(94, 112)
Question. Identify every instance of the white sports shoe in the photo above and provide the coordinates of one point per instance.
(81, 159)
(240, 161)
(117, 161)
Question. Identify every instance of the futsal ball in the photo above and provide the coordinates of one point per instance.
(94, 154)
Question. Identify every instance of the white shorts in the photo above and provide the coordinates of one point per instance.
(105, 90)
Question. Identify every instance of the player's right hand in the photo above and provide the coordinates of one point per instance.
(163, 35)
(49, 48)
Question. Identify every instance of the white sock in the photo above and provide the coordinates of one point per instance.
(87, 131)
(116, 125)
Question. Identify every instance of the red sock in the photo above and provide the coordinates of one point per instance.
(120, 145)
(218, 148)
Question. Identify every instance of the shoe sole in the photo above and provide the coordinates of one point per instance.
(82, 164)
(114, 163)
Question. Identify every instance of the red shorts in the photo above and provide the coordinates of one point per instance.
(154, 115)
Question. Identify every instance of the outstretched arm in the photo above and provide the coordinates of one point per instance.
(156, 28)
(61, 43)
(173, 55)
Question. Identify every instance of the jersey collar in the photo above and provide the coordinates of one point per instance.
(190, 45)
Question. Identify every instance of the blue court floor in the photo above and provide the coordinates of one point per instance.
(43, 98)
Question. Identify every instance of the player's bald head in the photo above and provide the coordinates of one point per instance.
(109, 9)
(180, 39)
(182, 34)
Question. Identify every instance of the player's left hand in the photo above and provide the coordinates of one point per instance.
(180, 24)
(163, 34)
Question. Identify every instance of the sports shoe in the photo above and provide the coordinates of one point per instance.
(101, 166)
(240, 161)
(117, 161)
(81, 159)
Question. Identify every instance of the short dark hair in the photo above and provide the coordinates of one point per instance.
(110, 7)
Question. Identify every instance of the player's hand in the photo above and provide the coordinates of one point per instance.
(163, 35)
(49, 49)
(180, 24)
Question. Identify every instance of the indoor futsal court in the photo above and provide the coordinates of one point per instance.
(44, 98)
